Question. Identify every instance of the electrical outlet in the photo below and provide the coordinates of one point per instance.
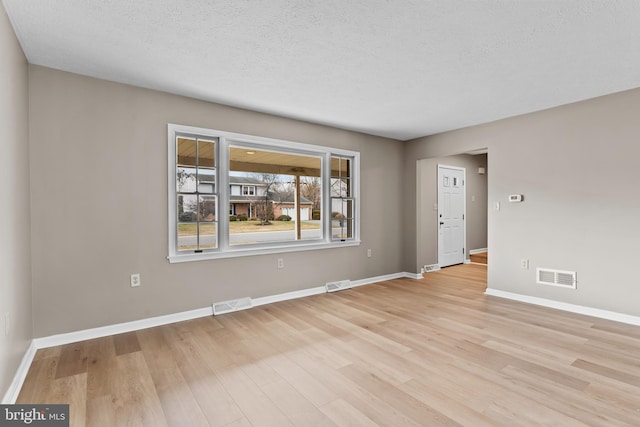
(368, 253)
(135, 280)
(524, 263)
(280, 262)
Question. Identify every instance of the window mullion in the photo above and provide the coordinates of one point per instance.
(223, 189)
(325, 208)
(173, 195)
(197, 193)
(354, 174)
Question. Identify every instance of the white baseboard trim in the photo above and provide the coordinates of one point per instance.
(12, 393)
(288, 296)
(416, 276)
(385, 277)
(478, 251)
(103, 331)
(589, 311)
(121, 328)
(322, 290)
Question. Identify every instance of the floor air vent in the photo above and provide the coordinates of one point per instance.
(338, 286)
(564, 279)
(231, 306)
(431, 267)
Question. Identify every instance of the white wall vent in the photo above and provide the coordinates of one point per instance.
(232, 305)
(564, 279)
(431, 267)
(338, 286)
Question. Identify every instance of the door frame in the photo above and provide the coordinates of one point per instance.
(464, 209)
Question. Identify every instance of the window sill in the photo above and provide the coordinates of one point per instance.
(240, 252)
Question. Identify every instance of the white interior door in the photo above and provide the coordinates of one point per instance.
(451, 215)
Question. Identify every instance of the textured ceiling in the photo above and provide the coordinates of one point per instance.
(395, 68)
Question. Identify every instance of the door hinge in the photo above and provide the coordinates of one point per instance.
(463, 250)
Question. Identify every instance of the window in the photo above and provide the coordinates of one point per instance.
(249, 190)
(195, 193)
(283, 196)
(342, 202)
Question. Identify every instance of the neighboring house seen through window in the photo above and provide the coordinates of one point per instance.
(282, 196)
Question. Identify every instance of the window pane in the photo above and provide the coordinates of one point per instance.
(208, 226)
(187, 208)
(187, 236)
(197, 228)
(342, 229)
(342, 214)
(270, 182)
(208, 234)
(206, 181)
(340, 167)
(206, 153)
(311, 197)
(340, 177)
(186, 180)
(186, 151)
(340, 187)
(207, 208)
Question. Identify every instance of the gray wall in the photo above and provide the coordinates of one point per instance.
(576, 165)
(427, 196)
(99, 202)
(15, 264)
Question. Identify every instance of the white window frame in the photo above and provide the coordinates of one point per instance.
(248, 190)
(225, 139)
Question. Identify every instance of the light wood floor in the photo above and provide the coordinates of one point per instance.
(405, 352)
(480, 258)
